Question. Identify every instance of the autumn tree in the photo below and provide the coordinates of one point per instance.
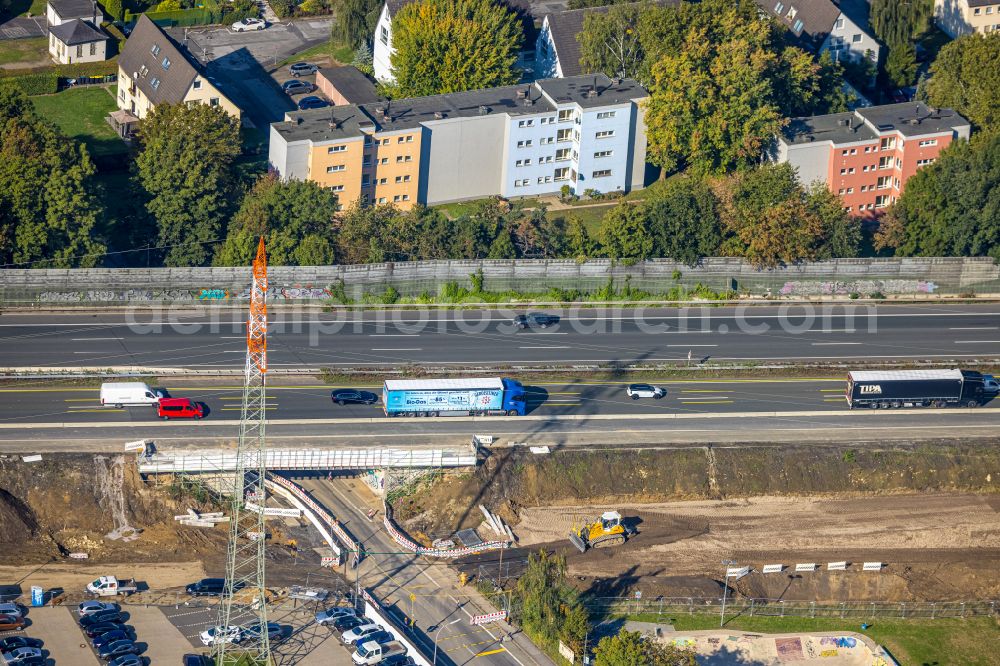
(442, 46)
(966, 77)
(630, 648)
(609, 41)
(185, 167)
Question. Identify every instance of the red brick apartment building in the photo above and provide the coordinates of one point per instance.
(865, 156)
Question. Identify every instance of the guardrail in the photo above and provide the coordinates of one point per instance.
(414, 547)
(312, 459)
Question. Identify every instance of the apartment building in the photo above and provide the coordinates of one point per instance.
(963, 17)
(866, 156)
(526, 140)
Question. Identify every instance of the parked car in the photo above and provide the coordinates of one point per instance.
(636, 391)
(344, 396)
(302, 69)
(103, 628)
(212, 635)
(117, 649)
(349, 622)
(380, 637)
(990, 384)
(535, 320)
(180, 408)
(91, 607)
(331, 615)
(249, 632)
(297, 87)
(210, 587)
(397, 660)
(249, 24)
(198, 660)
(354, 635)
(14, 642)
(110, 637)
(11, 623)
(20, 655)
(95, 619)
(127, 660)
(16, 610)
(312, 102)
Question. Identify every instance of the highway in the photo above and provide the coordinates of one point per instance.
(380, 339)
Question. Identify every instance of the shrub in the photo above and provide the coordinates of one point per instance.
(33, 84)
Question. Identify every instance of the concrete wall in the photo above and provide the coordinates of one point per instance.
(465, 158)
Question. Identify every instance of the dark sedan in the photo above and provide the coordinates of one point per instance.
(117, 649)
(14, 642)
(111, 637)
(350, 622)
(101, 618)
(103, 628)
(312, 102)
(535, 320)
(344, 396)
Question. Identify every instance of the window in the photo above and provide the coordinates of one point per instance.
(868, 149)
(546, 141)
(928, 142)
(384, 36)
(562, 154)
(397, 197)
(854, 151)
(881, 201)
(337, 188)
(382, 181)
(896, 185)
(797, 27)
(384, 160)
(385, 142)
(409, 138)
(526, 162)
(406, 197)
(840, 191)
(365, 181)
(381, 199)
(402, 179)
(525, 123)
(155, 50)
(213, 101)
(403, 158)
(888, 143)
(605, 114)
(561, 174)
(851, 170)
(843, 154)
(604, 134)
(840, 23)
(565, 115)
(989, 10)
(400, 139)
(885, 162)
(93, 48)
(564, 135)
(850, 190)
(925, 162)
(603, 173)
(856, 38)
(864, 188)
(778, 8)
(977, 11)
(843, 172)
(143, 70)
(521, 183)
(792, 12)
(166, 63)
(367, 161)
(155, 82)
(524, 144)
(79, 50)
(197, 84)
(602, 153)
(865, 169)
(336, 149)
(335, 168)
(368, 141)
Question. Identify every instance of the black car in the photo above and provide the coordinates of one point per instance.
(210, 587)
(297, 87)
(302, 69)
(111, 637)
(312, 102)
(350, 622)
(198, 660)
(117, 649)
(103, 628)
(14, 642)
(379, 637)
(344, 396)
(397, 660)
(100, 618)
(535, 320)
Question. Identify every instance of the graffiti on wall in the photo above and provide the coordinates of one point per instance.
(294, 293)
(830, 288)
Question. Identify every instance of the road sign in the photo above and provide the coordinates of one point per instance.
(638, 595)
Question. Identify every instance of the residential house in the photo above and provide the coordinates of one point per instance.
(76, 41)
(839, 27)
(58, 12)
(523, 140)
(866, 156)
(153, 69)
(963, 17)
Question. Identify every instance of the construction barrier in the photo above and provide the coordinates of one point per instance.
(302, 496)
(316, 521)
(375, 612)
(872, 566)
(773, 568)
(836, 566)
(413, 547)
(805, 567)
(489, 617)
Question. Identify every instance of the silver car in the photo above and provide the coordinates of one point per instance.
(636, 391)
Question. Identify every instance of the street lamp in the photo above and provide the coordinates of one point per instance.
(725, 588)
(438, 631)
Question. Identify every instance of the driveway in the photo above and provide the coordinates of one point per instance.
(22, 27)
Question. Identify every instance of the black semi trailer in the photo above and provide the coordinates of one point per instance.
(914, 388)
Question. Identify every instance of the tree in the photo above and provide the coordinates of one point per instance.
(296, 217)
(682, 220)
(48, 212)
(362, 231)
(966, 77)
(548, 603)
(898, 22)
(624, 233)
(901, 65)
(114, 9)
(629, 648)
(502, 246)
(841, 232)
(951, 207)
(443, 46)
(609, 41)
(579, 244)
(186, 168)
(355, 21)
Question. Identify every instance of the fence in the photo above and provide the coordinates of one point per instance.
(673, 606)
(864, 277)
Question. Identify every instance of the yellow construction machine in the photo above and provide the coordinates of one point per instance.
(605, 531)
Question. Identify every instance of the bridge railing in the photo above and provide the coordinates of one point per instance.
(313, 459)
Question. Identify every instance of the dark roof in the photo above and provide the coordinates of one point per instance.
(341, 122)
(981, 3)
(73, 8)
(396, 5)
(519, 5)
(76, 32)
(817, 16)
(351, 83)
(857, 10)
(143, 57)
(909, 119)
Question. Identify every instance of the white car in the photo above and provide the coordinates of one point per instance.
(18, 655)
(331, 615)
(352, 636)
(91, 607)
(214, 635)
(12, 609)
(636, 391)
(249, 24)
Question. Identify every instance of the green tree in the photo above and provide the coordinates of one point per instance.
(901, 65)
(443, 46)
(296, 217)
(549, 605)
(579, 244)
(682, 220)
(841, 232)
(900, 21)
(502, 246)
(114, 9)
(355, 21)
(951, 207)
(584, 4)
(966, 77)
(48, 212)
(609, 41)
(624, 233)
(185, 166)
(361, 233)
(629, 648)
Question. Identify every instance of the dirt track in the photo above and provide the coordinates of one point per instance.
(941, 546)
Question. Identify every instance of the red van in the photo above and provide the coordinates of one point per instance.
(179, 408)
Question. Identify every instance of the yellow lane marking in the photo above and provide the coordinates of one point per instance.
(700, 381)
(840, 399)
(78, 400)
(559, 404)
(700, 391)
(489, 652)
(99, 411)
(707, 402)
(830, 390)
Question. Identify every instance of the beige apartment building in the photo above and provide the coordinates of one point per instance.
(963, 17)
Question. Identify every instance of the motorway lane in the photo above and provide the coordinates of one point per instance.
(584, 336)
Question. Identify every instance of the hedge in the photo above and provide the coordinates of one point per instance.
(66, 71)
(33, 84)
(178, 17)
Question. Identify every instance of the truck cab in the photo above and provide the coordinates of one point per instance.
(109, 586)
(514, 397)
(373, 652)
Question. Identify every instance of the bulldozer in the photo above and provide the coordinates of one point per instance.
(605, 531)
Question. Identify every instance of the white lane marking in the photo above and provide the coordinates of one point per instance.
(396, 349)
(974, 328)
(548, 333)
(233, 337)
(552, 347)
(976, 342)
(830, 344)
(92, 339)
(393, 335)
(89, 352)
(692, 345)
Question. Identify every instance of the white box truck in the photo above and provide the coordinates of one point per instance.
(120, 394)
(371, 652)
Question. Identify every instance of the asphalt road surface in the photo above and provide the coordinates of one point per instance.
(948, 333)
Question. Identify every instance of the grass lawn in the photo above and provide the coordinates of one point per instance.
(337, 52)
(970, 642)
(24, 50)
(590, 216)
(79, 113)
(459, 208)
